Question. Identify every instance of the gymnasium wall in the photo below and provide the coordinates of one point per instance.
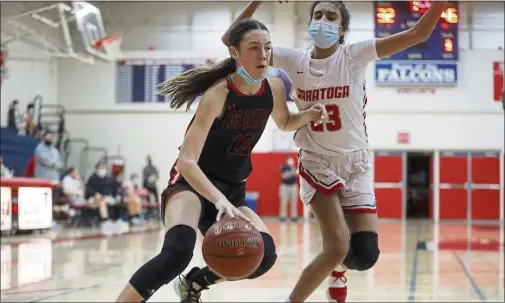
(460, 117)
(29, 73)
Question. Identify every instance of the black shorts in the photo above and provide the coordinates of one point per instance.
(235, 193)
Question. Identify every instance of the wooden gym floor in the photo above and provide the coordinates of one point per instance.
(83, 266)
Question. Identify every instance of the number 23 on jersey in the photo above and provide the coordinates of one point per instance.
(333, 124)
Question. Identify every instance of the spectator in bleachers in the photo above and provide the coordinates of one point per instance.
(150, 176)
(73, 187)
(102, 192)
(13, 114)
(47, 160)
(29, 124)
(5, 172)
(131, 198)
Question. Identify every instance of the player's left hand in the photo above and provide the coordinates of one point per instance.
(318, 113)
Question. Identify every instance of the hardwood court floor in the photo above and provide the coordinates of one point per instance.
(82, 266)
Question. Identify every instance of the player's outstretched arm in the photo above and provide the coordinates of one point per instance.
(208, 110)
(420, 32)
(286, 120)
(246, 13)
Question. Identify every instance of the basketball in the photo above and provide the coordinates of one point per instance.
(233, 248)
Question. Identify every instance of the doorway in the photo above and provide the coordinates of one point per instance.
(418, 184)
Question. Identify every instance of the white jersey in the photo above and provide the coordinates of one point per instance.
(338, 82)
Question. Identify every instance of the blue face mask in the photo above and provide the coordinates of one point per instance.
(250, 80)
(324, 34)
(247, 78)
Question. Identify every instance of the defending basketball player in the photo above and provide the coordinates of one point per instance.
(208, 178)
(335, 169)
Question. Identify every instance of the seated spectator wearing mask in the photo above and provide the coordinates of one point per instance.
(73, 188)
(131, 197)
(101, 189)
(94, 189)
(47, 160)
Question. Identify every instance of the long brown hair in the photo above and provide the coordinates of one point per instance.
(183, 89)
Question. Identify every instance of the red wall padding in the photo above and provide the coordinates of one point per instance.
(485, 202)
(453, 170)
(453, 201)
(266, 178)
(388, 169)
(486, 170)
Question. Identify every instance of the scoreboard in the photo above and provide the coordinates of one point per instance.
(433, 62)
(395, 16)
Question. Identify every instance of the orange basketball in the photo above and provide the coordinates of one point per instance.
(233, 248)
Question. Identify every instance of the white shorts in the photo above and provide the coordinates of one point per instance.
(348, 175)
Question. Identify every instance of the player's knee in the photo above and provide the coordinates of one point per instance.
(175, 255)
(269, 257)
(336, 246)
(177, 250)
(364, 251)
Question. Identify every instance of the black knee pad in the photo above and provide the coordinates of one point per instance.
(177, 250)
(363, 251)
(269, 257)
(175, 255)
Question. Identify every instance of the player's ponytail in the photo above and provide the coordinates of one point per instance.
(185, 88)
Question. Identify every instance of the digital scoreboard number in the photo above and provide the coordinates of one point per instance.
(392, 17)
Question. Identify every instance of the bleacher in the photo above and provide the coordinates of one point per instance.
(16, 150)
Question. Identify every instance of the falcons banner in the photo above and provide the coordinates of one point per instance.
(498, 81)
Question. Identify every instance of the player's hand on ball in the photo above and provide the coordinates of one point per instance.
(318, 113)
(225, 207)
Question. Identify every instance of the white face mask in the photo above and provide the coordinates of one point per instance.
(101, 172)
(290, 161)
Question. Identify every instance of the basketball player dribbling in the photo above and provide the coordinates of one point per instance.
(334, 158)
(208, 178)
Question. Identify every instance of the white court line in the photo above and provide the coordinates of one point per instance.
(472, 186)
(486, 186)
(388, 185)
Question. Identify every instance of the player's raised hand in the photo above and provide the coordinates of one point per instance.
(318, 113)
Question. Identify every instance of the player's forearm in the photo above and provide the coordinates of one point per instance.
(246, 13)
(297, 120)
(190, 170)
(425, 26)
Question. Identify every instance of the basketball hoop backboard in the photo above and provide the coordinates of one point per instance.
(90, 24)
(59, 30)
